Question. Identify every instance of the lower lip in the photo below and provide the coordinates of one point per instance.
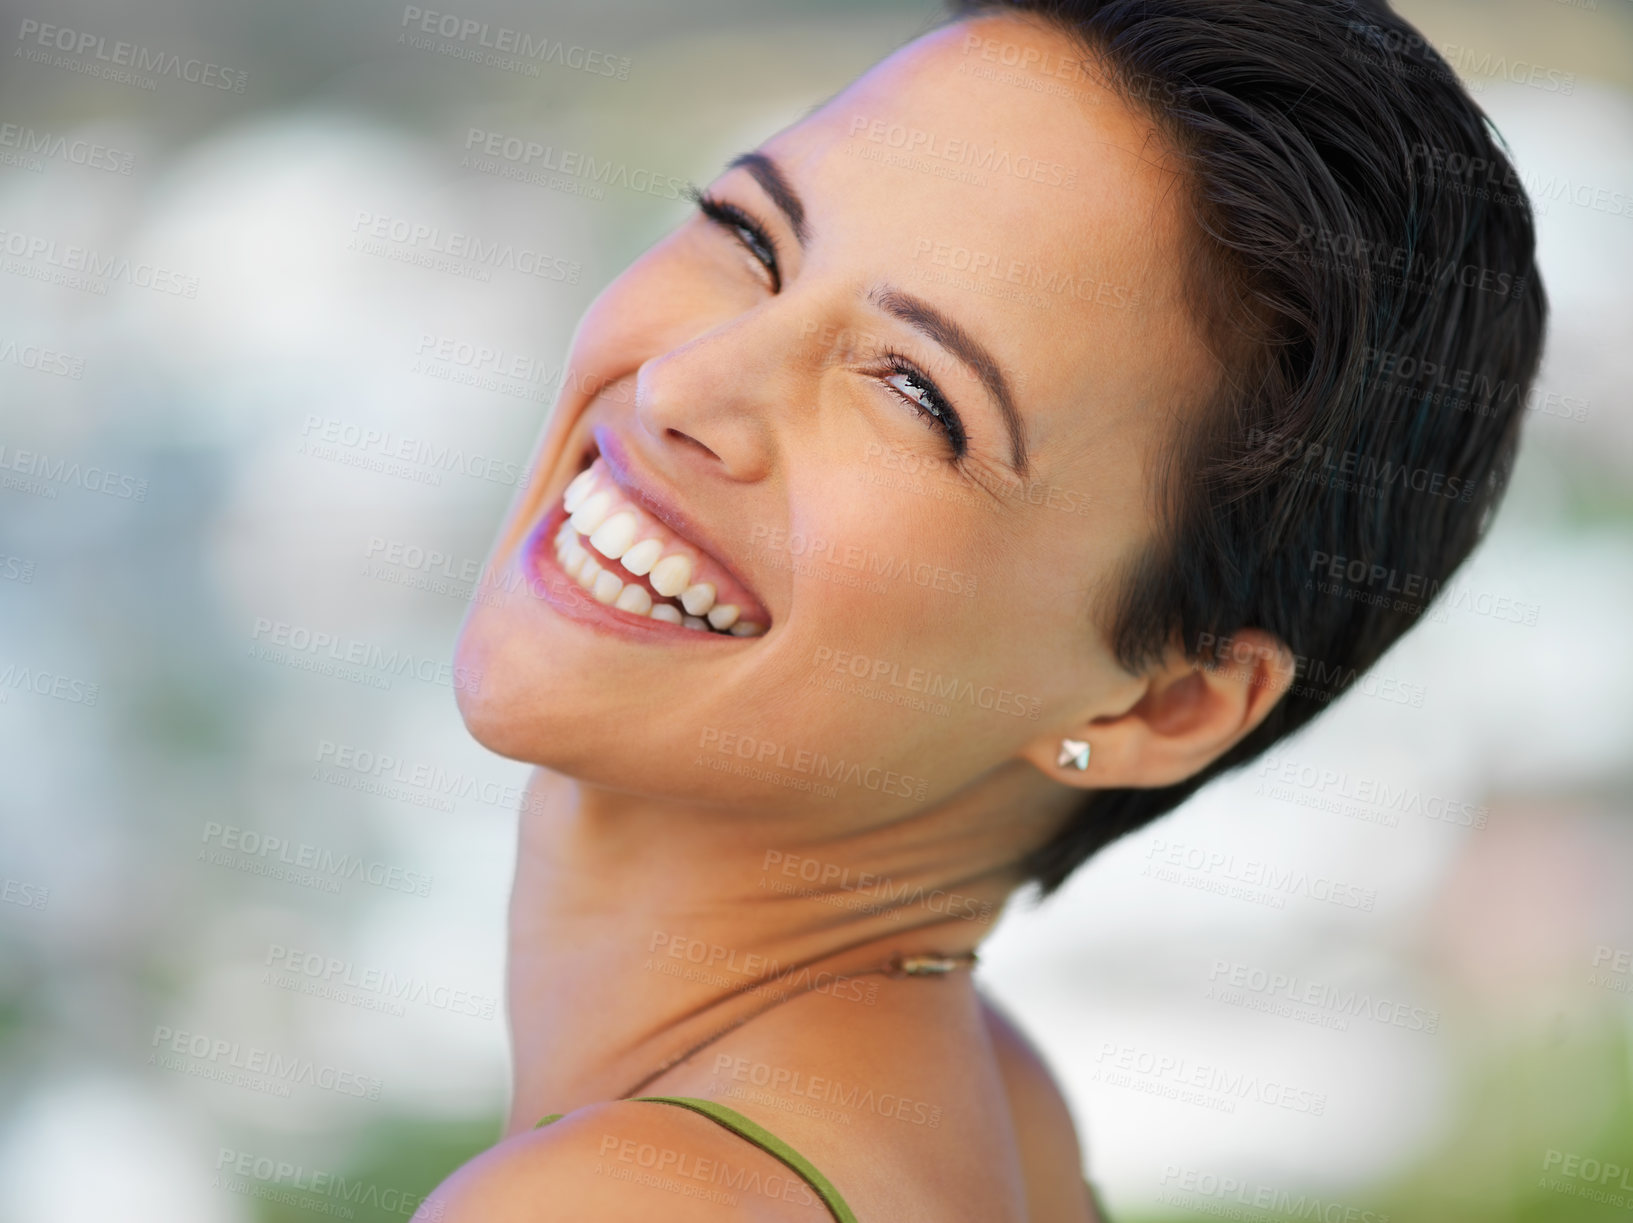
(555, 586)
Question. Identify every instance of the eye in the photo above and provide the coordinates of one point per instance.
(921, 394)
(745, 228)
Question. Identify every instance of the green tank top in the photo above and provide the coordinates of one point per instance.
(760, 1137)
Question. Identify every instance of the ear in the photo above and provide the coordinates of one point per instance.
(1188, 716)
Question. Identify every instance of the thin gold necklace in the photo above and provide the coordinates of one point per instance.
(922, 964)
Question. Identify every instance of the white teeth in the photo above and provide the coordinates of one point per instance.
(573, 557)
(578, 489)
(633, 599)
(589, 515)
(698, 599)
(671, 575)
(642, 556)
(614, 536)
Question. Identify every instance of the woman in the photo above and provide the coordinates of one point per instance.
(996, 455)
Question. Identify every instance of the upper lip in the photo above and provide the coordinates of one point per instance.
(621, 466)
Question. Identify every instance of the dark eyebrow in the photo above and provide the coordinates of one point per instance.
(775, 184)
(934, 325)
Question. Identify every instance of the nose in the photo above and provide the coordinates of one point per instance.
(720, 402)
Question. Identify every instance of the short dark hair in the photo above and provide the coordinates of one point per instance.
(1360, 238)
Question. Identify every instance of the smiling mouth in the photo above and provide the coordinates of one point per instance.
(629, 560)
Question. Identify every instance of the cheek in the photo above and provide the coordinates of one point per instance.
(937, 625)
(900, 640)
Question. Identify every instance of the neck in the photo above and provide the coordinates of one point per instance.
(639, 928)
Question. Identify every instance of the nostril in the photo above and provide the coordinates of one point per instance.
(687, 437)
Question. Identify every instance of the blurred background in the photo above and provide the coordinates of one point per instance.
(258, 423)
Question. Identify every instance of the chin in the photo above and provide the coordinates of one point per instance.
(502, 712)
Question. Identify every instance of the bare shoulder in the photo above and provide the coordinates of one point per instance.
(623, 1161)
(1050, 1152)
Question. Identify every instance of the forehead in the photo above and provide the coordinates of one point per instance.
(983, 168)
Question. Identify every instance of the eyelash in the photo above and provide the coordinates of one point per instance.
(744, 228)
(939, 414)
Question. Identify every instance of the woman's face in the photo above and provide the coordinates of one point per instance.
(894, 392)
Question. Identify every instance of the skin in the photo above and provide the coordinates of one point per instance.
(761, 405)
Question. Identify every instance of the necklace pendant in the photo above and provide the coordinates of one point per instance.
(928, 965)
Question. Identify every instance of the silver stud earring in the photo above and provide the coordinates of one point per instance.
(1073, 752)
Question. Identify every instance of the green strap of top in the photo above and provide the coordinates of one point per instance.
(761, 1137)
